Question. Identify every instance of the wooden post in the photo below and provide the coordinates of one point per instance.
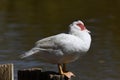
(6, 72)
(37, 74)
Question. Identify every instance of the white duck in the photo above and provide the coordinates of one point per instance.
(63, 48)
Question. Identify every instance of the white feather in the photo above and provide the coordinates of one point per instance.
(62, 48)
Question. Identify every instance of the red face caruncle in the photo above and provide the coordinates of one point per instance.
(82, 27)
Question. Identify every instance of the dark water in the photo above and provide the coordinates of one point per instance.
(22, 23)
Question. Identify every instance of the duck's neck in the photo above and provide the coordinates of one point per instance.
(83, 35)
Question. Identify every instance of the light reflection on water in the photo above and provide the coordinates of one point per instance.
(102, 61)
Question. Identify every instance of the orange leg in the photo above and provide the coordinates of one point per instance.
(60, 68)
(62, 71)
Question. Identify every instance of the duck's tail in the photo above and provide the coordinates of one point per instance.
(30, 52)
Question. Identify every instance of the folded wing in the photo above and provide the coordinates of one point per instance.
(46, 44)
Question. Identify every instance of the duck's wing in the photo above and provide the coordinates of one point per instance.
(46, 44)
